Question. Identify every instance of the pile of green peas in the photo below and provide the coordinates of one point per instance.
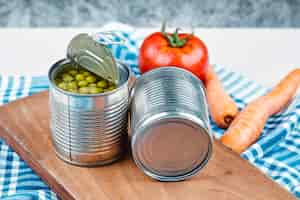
(79, 80)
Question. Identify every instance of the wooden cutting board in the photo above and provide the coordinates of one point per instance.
(24, 125)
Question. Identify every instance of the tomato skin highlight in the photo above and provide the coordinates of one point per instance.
(156, 51)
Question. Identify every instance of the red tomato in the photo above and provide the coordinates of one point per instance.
(184, 50)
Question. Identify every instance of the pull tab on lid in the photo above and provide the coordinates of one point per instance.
(93, 56)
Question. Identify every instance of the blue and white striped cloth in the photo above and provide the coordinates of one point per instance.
(276, 153)
(17, 180)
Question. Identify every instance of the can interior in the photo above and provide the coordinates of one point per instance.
(58, 67)
(172, 149)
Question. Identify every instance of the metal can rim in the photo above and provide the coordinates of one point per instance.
(67, 60)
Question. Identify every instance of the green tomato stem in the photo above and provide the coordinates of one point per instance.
(173, 39)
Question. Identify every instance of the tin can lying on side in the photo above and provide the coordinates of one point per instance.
(89, 129)
(171, 138)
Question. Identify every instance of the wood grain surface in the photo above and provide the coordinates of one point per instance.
(24, 125)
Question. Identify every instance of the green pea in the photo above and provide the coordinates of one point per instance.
(67, 77)
(72, 85)
(73, 72)
(79, 77)
(91, 79)
(95, 90)
(106, 90)
(112, 87)
(84, 90)
(82, 83)
(102, 84)
(62, 85)
(86, 73)
(92, 85)
(73, 90)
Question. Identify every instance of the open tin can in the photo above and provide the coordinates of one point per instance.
(89, 129)
(171, 137)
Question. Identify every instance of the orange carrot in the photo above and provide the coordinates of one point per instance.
(222, 108)
(246, 128)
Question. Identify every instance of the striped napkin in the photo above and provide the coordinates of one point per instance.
(276, 153)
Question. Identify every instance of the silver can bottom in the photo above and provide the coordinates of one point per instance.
(171, 148)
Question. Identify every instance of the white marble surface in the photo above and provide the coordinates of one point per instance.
(205, 13)
(264, 55)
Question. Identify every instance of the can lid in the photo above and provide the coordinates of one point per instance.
(93, 56)
(172, 149)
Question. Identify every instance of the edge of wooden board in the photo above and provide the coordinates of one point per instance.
(8, 136)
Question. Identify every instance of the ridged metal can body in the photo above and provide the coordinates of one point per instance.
(89, 129)
(171, 138)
